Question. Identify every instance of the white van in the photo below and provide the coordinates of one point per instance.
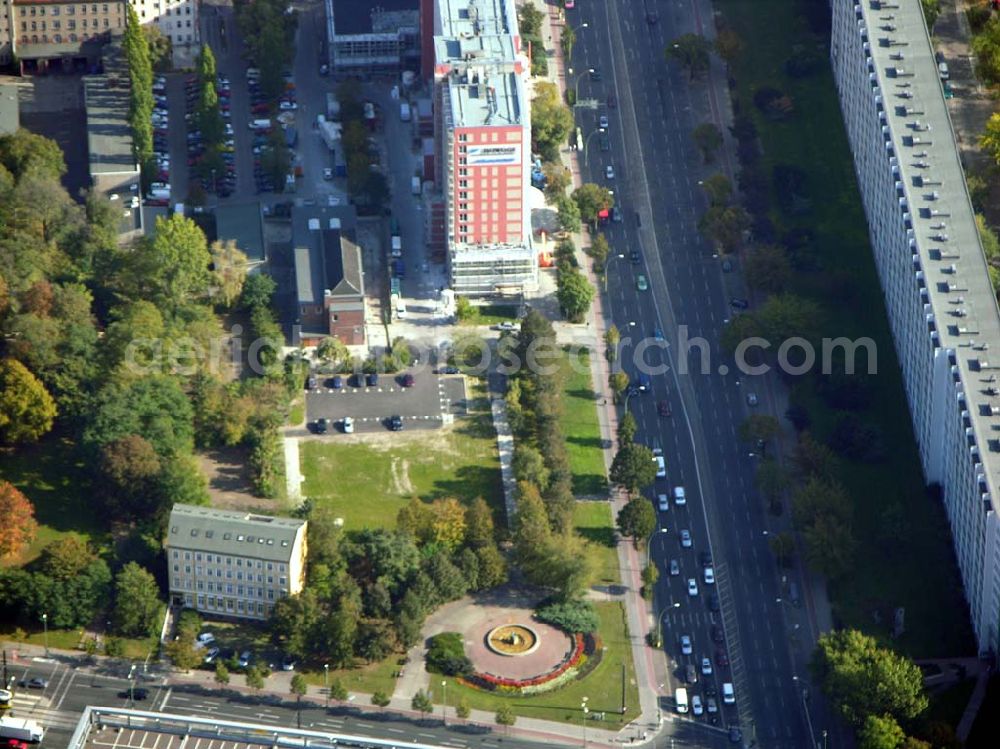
(728, 694)
(681, 700)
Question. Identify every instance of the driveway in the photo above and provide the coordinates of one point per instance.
(421, 406)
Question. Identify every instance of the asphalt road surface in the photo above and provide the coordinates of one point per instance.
(656, 178)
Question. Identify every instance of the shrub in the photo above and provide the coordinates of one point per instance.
(979, 16)
(446, 655)
(572, 616)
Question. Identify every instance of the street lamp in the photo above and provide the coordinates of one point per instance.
(586, 143)
(576, 86)
(45, 627)
(607, 267)
(444, 707)
(583, 720)
(131, 686)
(659, 621)
(649, 543)
(326, 682)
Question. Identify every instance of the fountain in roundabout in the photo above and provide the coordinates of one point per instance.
(512, 640)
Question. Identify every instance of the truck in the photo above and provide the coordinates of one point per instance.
(330, 133)
(397, 246)
(21, 729)
(416, 185)
(404, 111)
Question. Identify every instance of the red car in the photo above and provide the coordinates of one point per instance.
(16, 744)
(663, 408)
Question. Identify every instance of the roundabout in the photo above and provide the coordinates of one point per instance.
(512, 640)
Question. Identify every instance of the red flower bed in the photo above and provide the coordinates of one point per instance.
(491, 682)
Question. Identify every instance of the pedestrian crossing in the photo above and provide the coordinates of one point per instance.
(38, 708)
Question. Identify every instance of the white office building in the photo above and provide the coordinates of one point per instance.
(940, 301)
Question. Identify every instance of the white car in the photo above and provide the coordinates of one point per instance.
(603, 122)
(685, 644)
(692, 587)
(696, 706)
(675, 568)
(728, 694)
(205, 637)
(709, 576)
(245, 657)
(680, 499)
(286, 106)
(706, 666)
(211, 654)
(609, 172)
(661, 463)
(348, 425)
(663, 502)
(686, 538)
(327, 173)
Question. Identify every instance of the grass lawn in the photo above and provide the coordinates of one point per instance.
(368, 482)
(602, 686)
(492, 314)
(593, 521)
(297, 413)
(366, 678)
(71, 639)
(914, 566)
(53, 478)
(583, 434)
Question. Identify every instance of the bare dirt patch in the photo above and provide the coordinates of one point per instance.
(228, 481)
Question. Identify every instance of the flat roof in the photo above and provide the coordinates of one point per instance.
(374, 16)
(231, 532)
(458, 18)
(243, 223)
(491, 99)
(109, 137)
(945, 236)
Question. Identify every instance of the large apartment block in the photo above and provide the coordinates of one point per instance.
(176, 19)
(47, 32)
(940, 302)
(483, 136)
(233, 564)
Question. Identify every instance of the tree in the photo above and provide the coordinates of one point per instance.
(462, 709)
(557, 181)
(254, 677)
(492, 567)
(619, 383)
(728, 45)
(861, 679)
(724, 225)
(627, 429)
(137, 602)
(173, 266)
(986, 48)
(221, 673)
(23, 151)
(294, 621)
(718, 188)
(692, 52)
(26, 408)
(637, 519)
(633, 467)
(18, 527)
(880, 732)
(759, 427)
(829, 546)
(299, 687)
(182, 653)
(783, 547)
(479, 528)
(707, 137)
(598, 251)
(152, 407)
(551, 120)
(650, 574)
(771, 480)
(575, 294)
(258, 291)
(989, 141)
(333, 351)
(611, 339)
(591, 199)
(784, 316)
(447, 523)
(160, 48)
(65, 558)
(229, 268)
(380, 699)
(768, 268)
(140, 70)
(338, 691)
(932, 9)
(505, 717)
(529, 465)
(568, 214)
(129, 469)
(819, 497)
(571, 616)
(422, 703)
(531, 525)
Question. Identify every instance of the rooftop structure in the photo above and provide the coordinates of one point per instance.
(940, 301)
(232, 563)
(373, 35)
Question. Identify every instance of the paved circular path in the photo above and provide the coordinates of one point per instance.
(554, 646)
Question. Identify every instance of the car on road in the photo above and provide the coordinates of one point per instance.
(686, 645)
(705, 558)
(696, 707)
(680, 498)
(609, 172)
(348, 425)
(35, 682)
(752, 399)
(675, 568)
(721, 658)
(709, 576)
(728, 693)
(641, 283)
(245, 657)
(211, 654)
(595, 74)
(651, 18)
(718, 635)
(603, 122)
(327, 173)
(635, 256)
(395, 423)
(616, 214)
(713, 602)
(686, 538)
(287, 663)
(692, 587)
(406, 381)
(663, 408)
(612, 101)
(663, 502)
(706, 666)
(658, 334)
(738, 303)
(449, 370)
(661, 464)
(137, 694)
(605, 143)
(371, 379)
(690, 674)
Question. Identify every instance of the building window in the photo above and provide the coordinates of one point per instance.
(187, 569)
(24, 27)
(177, 568)
(72, 26)
(72, 37)
(107, 23)
(34, 26)
(55, 10)
(55, 27)
(283, 581)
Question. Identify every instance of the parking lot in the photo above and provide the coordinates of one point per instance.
(421, 406)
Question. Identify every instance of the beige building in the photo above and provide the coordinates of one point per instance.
(6, 40)
(233, 564)
(176, 19)
(48, 33)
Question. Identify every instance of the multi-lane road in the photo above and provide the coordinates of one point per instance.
(656, 184)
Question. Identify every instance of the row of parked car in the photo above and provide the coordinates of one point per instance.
(222, 184)
(159, 192)
(262, 126)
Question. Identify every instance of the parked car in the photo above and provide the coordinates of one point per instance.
(137, 694)
(211, 654)
(407, 381)
(336, 382)
(245, 658)
(395, 423)
(288, 663)
(322, 426)
(348, 425)
(448, 370)
(371, 379)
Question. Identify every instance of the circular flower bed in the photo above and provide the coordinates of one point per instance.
(564, 672)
